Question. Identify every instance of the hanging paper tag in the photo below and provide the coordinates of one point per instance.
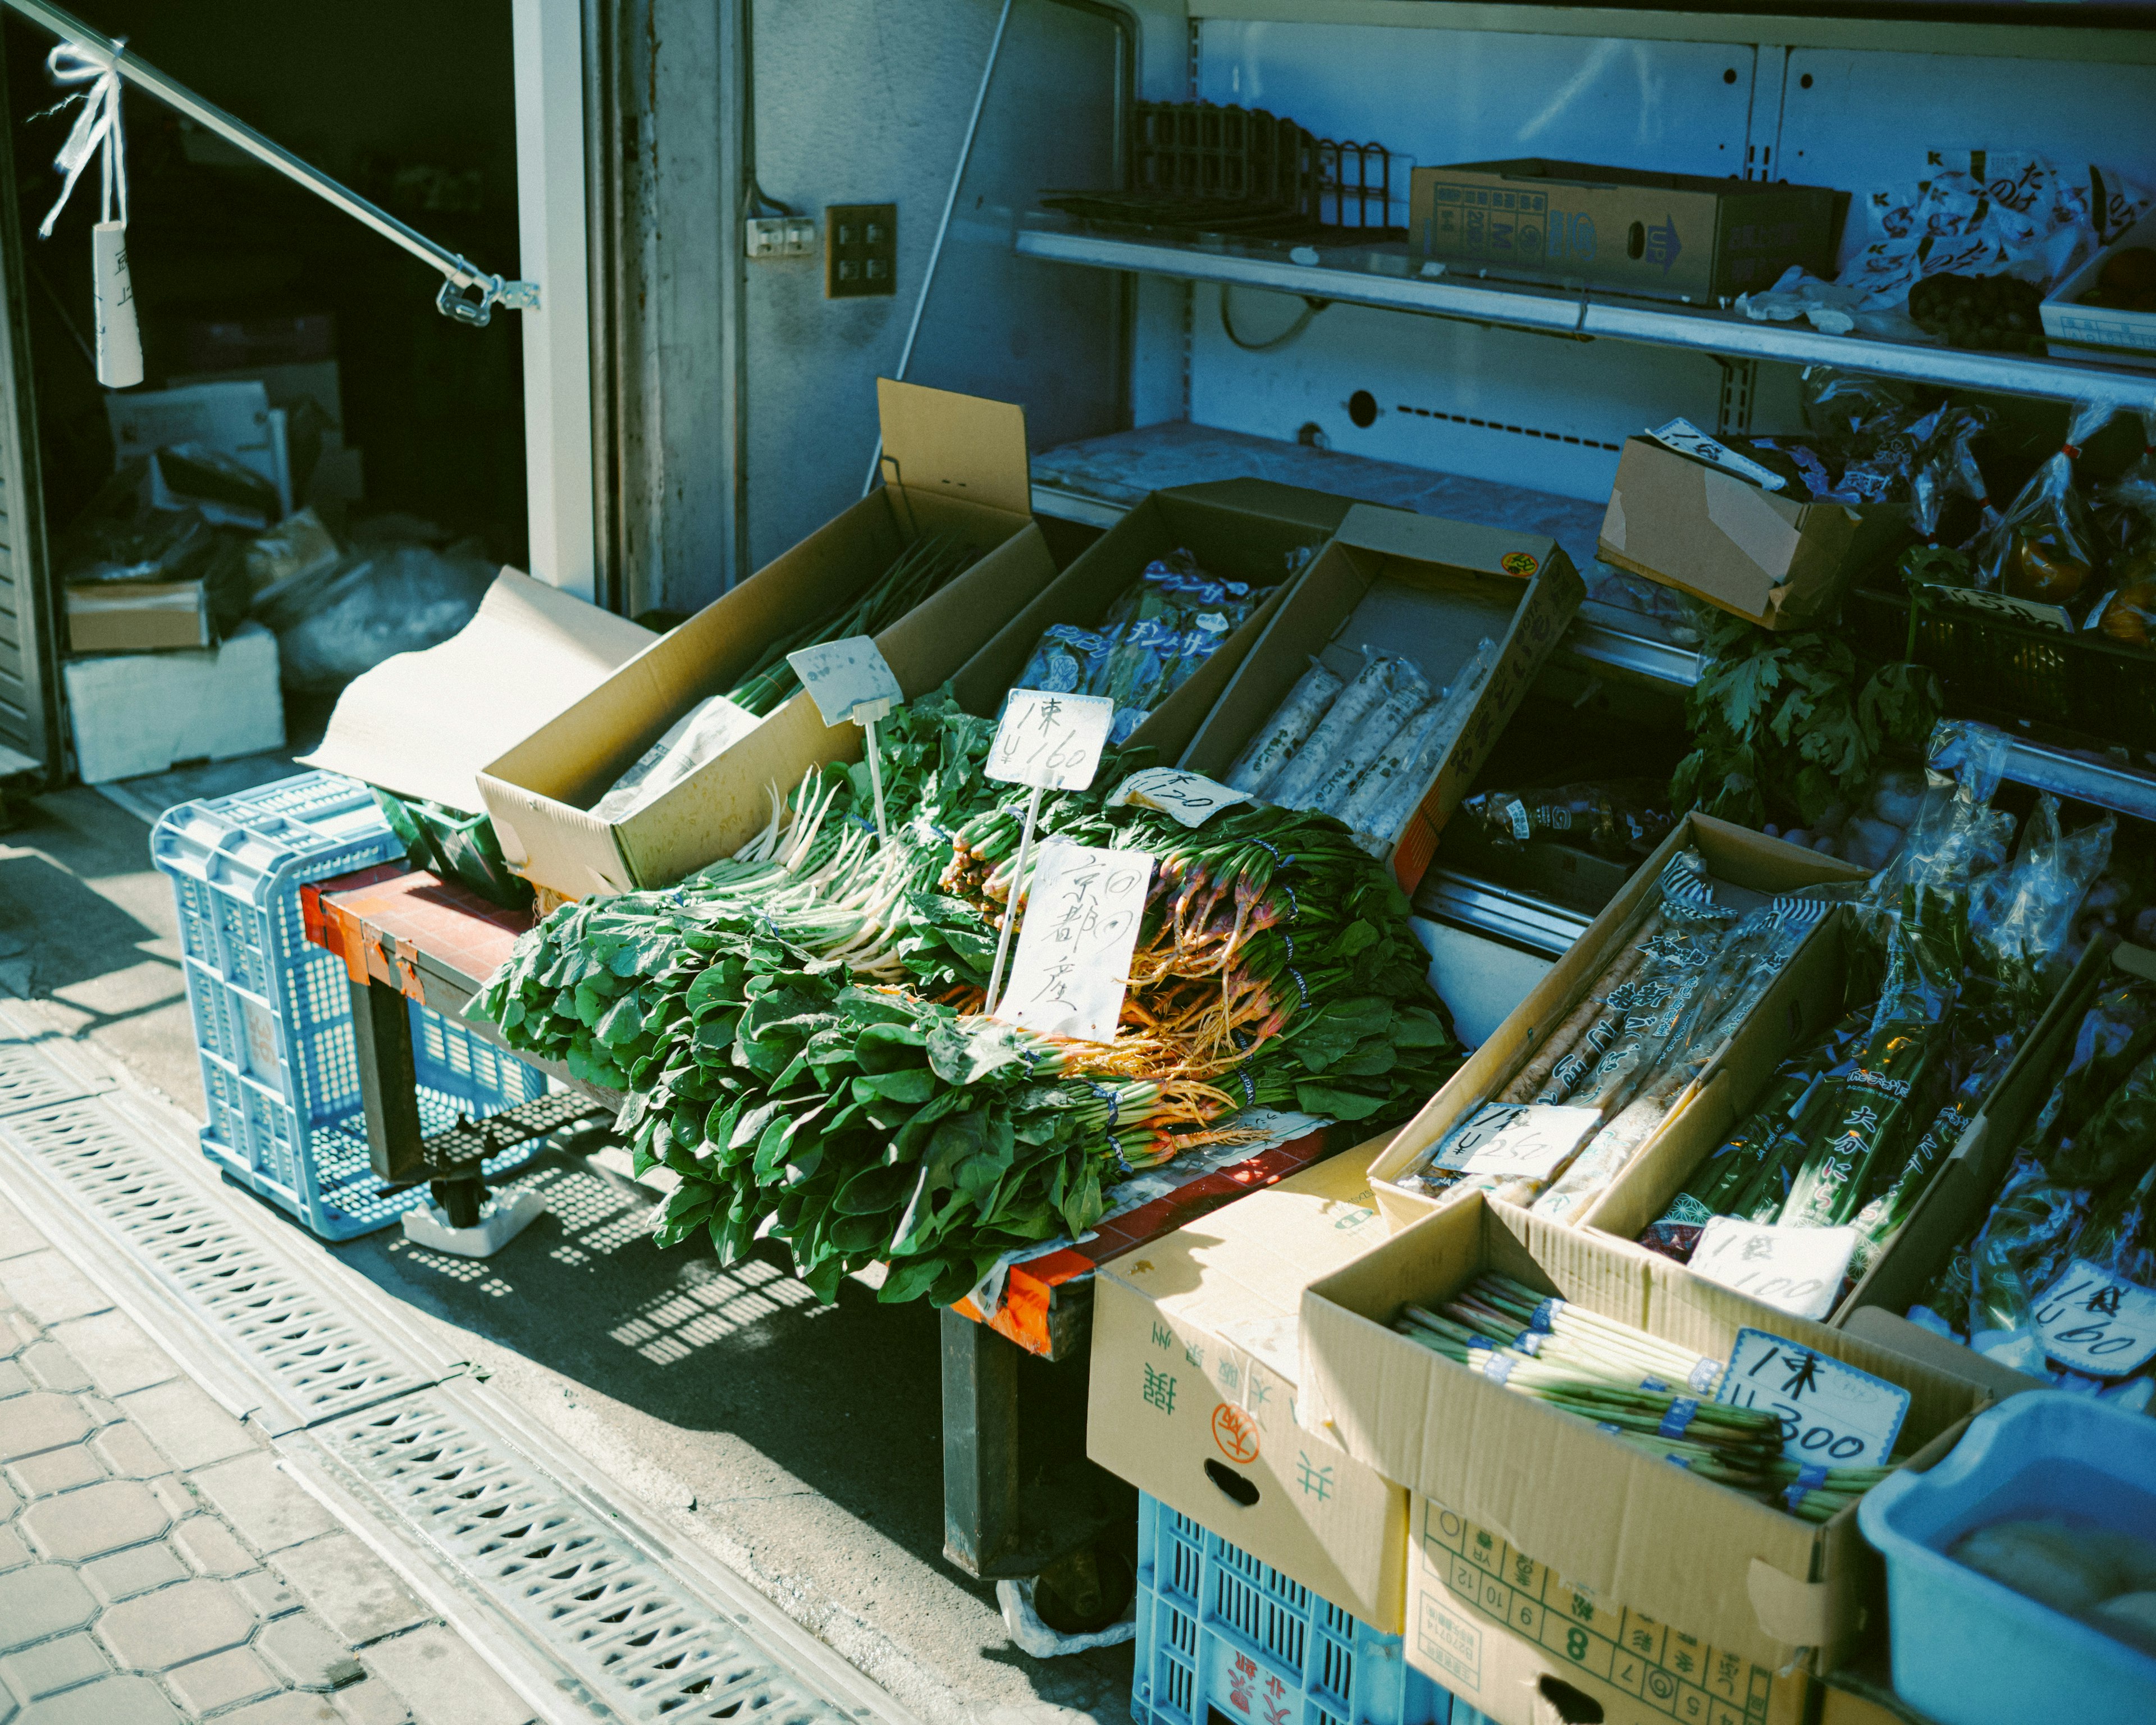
(1082, 913)
(2097, 1322)
(119, 341)
(1517, 1141)
(1831, 1413)
(1051, 740)
(1189, 796)
(2001, 605)
(842, 677)
(1686, 439)
(1794, 1270)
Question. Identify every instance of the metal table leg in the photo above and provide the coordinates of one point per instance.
(980, 1445)
(389, 1086)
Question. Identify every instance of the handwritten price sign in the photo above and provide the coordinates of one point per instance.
(844, 677)
(1831, 1413)
(1074, 949)
(1190, 796)
(1517, 1141)
(2097, 1322)
(1686, 439)
(1794, 1270)
(1050, 741)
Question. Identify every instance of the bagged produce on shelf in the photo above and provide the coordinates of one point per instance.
(2126, 530)
(799, 1028)
(699, 736)
(1613, 818)
(2044, 549)
(1268, 752)
(380, 599)
(1154, 638)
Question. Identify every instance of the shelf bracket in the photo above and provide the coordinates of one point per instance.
(1740, 383)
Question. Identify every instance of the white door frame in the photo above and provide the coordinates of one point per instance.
(548, 47)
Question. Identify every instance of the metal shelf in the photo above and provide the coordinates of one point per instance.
(1502, 913)
(1378, 275)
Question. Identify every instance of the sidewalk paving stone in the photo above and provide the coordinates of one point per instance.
(128, 1572)
(115, 1701)
(372, 1703)
(53, 1665)
(212, 1547)
(222, 1680)
(56, 1471)
(50, 1289)
(190, 1429)
(41, 1600)
(13, 1379)
(95, 1521)
(266, 1592)
(263, 1502)
(175, 1625)
(445, 1682)
(289, 1709)
(116, 1352)
(308, 1655)
(41, 1421)
(54, 1367)
(356, 1592)
(17, 1235)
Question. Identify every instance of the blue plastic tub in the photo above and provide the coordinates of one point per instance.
(273, 1013)
(1225, 1640)
(1969, 1651)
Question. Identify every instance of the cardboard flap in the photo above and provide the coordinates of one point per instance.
(1792, 1612)
(1428, 539)
(959, 445)
(423, 724)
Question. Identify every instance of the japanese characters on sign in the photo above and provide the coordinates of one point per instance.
(2094, 1321)
(1831, 1413)
(1190, 796)
(843, 677)
(1686, 439)
(1798, 1271)
(1050, 741)
(1522, 1141)
(1080, 926)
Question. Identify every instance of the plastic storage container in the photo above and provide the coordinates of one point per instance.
(273, 1013)
(1224, 1637)
(1968, 1650)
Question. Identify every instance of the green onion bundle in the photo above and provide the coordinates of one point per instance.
(1643, 1391)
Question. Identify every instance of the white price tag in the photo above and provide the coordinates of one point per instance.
(1517, 1141)
(1050, 740)
(1686, 439)
(1794, 1270)
(1082, 914)
(1189, 796)
(842, 677)
(1832, 1414)
(2001, 605)
(2097, 1322)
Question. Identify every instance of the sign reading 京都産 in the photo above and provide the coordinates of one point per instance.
(1080, 926)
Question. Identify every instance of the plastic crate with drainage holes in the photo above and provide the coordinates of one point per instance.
(1225, 1640)
(273, 1013)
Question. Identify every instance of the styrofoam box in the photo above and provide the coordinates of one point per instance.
(2106, 327)
(1970, 1650)
(133, 713)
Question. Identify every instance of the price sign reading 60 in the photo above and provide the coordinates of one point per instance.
(1050, 741)
(2097, 1322)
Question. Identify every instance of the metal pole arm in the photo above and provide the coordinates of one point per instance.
(468, 295)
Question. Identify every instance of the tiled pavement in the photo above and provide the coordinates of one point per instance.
(157, 1564)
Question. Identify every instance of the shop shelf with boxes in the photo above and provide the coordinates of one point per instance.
(273, 1016)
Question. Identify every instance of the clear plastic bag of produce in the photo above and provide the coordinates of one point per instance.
(1613, 818)
(1066, 659)
(1407, 696)
(1297, 782)
(703, 733)
(1276, 742)
(1945, 469)
(2021, 924)
(2126, 528)
(2044, 549)
(378, 601)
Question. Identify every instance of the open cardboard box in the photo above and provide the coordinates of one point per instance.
(1193, 1385)
(137, 616)
(1962, 1192)
(1505, 1632)
(2113, 334)
(1712, 533)
(1807, 993)
(1239, 530)
(951, 464)
(1429, 590)
(1744, 1577)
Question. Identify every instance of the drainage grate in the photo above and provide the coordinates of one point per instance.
(600, 1605)
(322, 1362)
(30, 1079)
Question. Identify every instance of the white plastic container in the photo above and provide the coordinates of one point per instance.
(1969, 1651)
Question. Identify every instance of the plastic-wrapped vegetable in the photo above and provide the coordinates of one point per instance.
(2045, 548)
(1440, 730)
(1380, 783)
(2021, 925)
(703, 733)
(1067, 658)
(1613, 818)
(1297, 783)
(1411, 694)
(1285, 731)
(2126, 520)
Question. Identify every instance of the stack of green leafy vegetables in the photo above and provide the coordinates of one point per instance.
(798, 1027)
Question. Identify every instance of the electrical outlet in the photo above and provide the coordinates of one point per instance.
(860, 251)
(781, 237)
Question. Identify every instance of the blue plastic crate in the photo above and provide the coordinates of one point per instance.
(1223, 1639)
(273, 1013)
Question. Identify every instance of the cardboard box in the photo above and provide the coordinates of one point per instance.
(1671, 236)
(133, 713)
(1428, 589)
(1193, 1386)
(1239, 530)
(1805, 994)
(1716, 536)
(2111, 333)
(953, 464)
(137, 616)
(1742, 1577)
(1511, 1635)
